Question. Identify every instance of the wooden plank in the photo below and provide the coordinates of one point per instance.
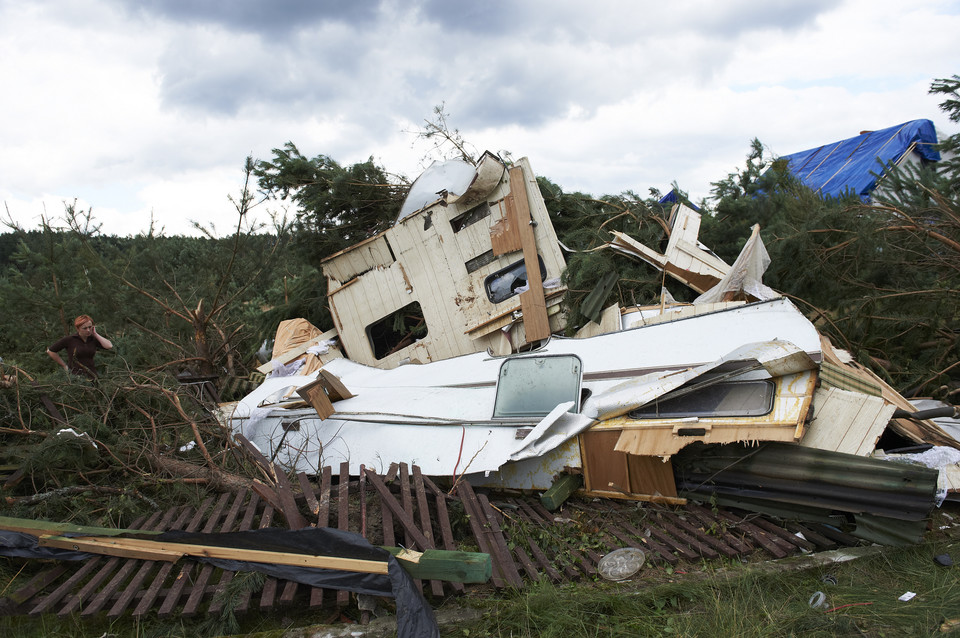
(772, 544)
(334, 387)
(544, 561)
(426, 525)
(67, 586)
(776, 531)
(561, 490)
(285, 493)
(406, 498)
(703, 549)
(34, 586)
(146, 601)
(265, 466)
(715, 542)
(709, 522)
(343, 518)
(112, 546)
(661, 550)
(218, 600)
(667, 538)
(396, 509)
(308, 494)
(186, 571)
(315, 394)
(491, 529)
(74, 601)
(443, 519)
(536, 323)
(269, 495)
(123, 573)
(200, 584)
(135, 584)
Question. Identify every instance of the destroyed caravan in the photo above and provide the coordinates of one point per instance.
(469, 403)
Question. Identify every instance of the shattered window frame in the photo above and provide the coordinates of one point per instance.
(398, 330)
(726, 399)
(533, 386)
(499, 288)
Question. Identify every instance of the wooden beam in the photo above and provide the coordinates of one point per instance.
(334, 387)
(536, 323)
(561, 490)
(169, 551)
(433, 564)
(316, 395)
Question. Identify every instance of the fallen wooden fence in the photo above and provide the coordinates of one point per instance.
(399, 508)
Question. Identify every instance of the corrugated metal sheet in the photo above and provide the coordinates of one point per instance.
(810, 484)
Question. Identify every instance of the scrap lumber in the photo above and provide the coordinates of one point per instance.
(561, 490)
(170, 551)
(536, 323)
(432, 564)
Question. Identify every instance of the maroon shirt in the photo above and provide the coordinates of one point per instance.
(79, 354)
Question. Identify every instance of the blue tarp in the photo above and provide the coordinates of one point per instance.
(853, 164)
(673, 198)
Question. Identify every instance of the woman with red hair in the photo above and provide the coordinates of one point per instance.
(80, 348)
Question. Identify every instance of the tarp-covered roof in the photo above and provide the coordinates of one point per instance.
(853, 164)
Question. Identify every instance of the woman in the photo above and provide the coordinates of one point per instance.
(80, 348)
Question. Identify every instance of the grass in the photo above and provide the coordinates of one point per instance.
(740, 601)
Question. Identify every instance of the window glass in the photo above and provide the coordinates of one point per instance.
(735, 398)
(533, 386)
(504, 283)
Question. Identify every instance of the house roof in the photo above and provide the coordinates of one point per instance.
(853, 164)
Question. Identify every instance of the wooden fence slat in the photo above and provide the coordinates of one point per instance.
(146, 602)
(67, 586)
(123, 573)
(200, 584)
(180, 582)
(265, 521)
(343, 519)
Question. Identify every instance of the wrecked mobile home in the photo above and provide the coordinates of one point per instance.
(447, 382)
(447, 354)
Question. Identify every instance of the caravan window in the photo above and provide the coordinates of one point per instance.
(533, 386)
(397, 330)
(735, 398)
(504, 283)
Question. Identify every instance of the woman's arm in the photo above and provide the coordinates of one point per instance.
(56, 357)
(106, 343)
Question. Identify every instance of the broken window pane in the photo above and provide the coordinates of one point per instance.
(533, 386)
(734, 398)
(397, 330)
(504, 283)
(470, 217)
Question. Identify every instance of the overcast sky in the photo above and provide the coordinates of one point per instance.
(148, 107)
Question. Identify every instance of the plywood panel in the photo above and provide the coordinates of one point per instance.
(607, 471)
(845, 421)
(651, 475)
(603, 469)
(666, 440)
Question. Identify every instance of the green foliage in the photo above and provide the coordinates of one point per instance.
(879, 278)
(583, 224)
(337, 206)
